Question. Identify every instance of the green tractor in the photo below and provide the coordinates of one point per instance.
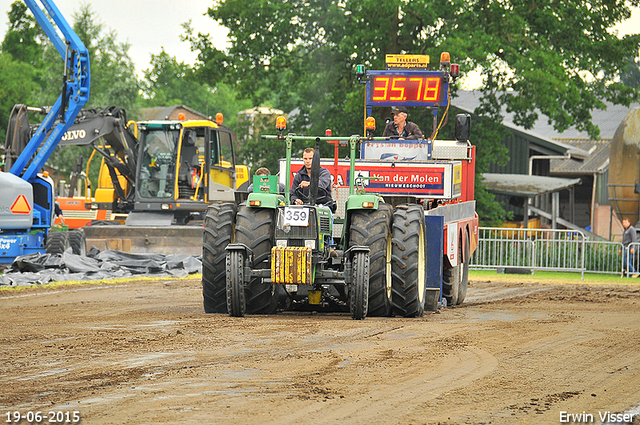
(268, 253)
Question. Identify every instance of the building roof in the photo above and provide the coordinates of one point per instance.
(525, 185)
(468, 101)
(597, 161)
(608, 120)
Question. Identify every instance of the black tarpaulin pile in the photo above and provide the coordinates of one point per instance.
(39, 269)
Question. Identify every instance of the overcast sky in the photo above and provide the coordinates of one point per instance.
(147, 25)
(150, 25)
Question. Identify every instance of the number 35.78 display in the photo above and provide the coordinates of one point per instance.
(410, 88)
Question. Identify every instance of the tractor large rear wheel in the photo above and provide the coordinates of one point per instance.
(373, 229)
(359, 293)
(254, 228)
(218, 233)
(408, 261)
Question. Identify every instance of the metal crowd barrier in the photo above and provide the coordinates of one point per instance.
(633, 253)
(551, 250)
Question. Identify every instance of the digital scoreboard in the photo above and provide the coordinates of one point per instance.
(407, 88)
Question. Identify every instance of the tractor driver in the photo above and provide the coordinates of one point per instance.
(400, 128)
(302, 180)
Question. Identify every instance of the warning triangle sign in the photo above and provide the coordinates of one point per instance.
(21, 205)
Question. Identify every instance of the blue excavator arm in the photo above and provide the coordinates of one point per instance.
(75, 90)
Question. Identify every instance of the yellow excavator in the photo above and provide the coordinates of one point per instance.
(157, 176)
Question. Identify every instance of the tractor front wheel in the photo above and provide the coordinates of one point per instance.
(236, 304)
(254, 228)
(359, 294)
(373, 229)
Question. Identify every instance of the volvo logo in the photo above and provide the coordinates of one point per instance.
(74, 135)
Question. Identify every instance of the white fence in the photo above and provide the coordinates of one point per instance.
(550, 250)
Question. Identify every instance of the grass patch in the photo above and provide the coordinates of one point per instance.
(552, 277)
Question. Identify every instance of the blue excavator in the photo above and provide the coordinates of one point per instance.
(27, 202)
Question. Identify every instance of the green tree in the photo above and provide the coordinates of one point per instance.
(113, 76)
(560, 59)
(33, 76)
(632, 75)
(168, 82)
(24, 37)
(20, 57)
(113, 80)
(16, 84)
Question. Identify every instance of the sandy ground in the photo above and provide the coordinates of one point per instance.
(145, 353)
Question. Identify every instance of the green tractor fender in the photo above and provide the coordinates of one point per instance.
(357, 202)
(264, 200)
(362, 202)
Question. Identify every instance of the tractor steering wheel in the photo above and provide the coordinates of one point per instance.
(322, 192)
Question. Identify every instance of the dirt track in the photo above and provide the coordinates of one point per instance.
(146, 353)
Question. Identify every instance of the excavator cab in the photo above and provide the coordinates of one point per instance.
(157, 168)
(184, 165)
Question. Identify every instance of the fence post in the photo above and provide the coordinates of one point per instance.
(583, 252)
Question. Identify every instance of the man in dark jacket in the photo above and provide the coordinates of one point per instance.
(400, 128)
(302, 180)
